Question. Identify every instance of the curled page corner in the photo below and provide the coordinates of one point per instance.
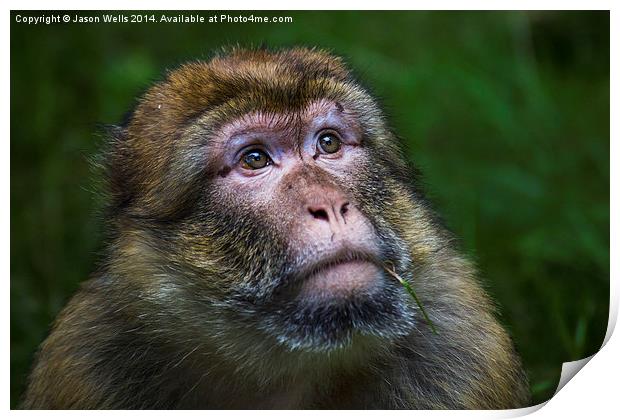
(569, 370)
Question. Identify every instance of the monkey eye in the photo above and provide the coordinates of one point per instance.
(255, 159)
(329, 143)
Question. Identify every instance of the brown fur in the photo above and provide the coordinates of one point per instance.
(153, 328)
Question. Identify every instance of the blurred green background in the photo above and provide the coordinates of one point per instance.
(506, 113)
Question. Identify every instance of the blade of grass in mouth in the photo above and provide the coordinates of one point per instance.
(410, 290)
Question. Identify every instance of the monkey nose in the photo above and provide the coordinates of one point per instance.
(334, 214)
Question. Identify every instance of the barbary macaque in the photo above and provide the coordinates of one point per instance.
(262, 217)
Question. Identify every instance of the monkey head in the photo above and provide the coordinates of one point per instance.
(263, 194)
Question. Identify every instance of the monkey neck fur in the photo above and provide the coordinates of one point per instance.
(212, 346)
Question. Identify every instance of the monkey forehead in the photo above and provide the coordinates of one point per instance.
(291, 122)
(241, 81)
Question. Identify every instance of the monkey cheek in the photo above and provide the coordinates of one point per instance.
(342, 281)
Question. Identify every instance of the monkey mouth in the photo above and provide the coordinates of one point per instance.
(331, 298)
(340, 275)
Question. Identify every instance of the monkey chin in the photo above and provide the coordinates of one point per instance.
(337, 302)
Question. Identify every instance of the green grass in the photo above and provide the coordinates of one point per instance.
(506, 113)
(409, 288)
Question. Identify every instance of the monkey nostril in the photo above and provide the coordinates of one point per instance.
(344, 209)
(319, 214)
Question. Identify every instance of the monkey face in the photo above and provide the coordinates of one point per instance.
(293, 205)
(279, 194)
